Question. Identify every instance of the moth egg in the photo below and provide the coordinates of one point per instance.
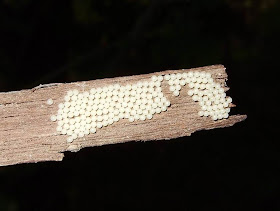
(110, 121)
(167, 77)
(158, 110)
(122, 115)
(64, 132)
(60, 105)
(167, 103)
(172, 88)
(93, 124)
(157, 83)
(149, 116)
(133, 112)
(81, 134)
(179, 76)
(164, 108)
(201, 103)
(214, 117)
(204, 108)
(142, 117)
(131, 119)
(184, 75)
(190, 92)
(99, 90)
(200, 93)
(202, 86)
(188, 80)
(172, 76)
(145, 112)
(201, 113)
(74, 97)
(69, 132)
(207, 75)
(67, 105)
(199, 80)
(196, 74)
(217, 86)
(176, 81)
(182, 82)
(70, 139)
(75, 92)
(206, 113)
(67, 98)
(171, 82)
(215, 107)
(92, 91)
(49, 101)
(191, 85)
(178, 87)
(229, 100)
(205, 80)
(58, 128)
(210, 80)
(220, 116)
(53, 118)
(74, 136)
(195, 97)
(176, 93)
(225, 104)
(190, 74)
(220, 106)
(160, 78)
(202, 74)
(93, 130)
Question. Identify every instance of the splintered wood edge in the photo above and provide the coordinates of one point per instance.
(28, 136)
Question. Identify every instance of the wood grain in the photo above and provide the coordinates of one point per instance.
(28, 136)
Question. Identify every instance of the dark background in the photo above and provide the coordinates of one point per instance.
(234, 168)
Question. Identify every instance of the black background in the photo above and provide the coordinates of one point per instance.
(234, 168)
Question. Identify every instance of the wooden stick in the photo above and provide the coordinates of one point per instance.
(28, 136)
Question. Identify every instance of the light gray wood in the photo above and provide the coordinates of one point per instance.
(28, 136)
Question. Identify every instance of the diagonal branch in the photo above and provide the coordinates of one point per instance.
(27, 135)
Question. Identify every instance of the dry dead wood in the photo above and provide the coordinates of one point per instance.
(27, 135)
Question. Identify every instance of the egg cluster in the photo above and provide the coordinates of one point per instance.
(202, 88)
(84, 113)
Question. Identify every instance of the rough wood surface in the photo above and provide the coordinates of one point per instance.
(27, 135)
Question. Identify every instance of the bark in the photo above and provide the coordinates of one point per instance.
(28, 136)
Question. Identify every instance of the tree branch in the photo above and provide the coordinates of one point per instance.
(27, 135)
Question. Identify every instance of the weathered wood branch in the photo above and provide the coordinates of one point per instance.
(27, 135)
